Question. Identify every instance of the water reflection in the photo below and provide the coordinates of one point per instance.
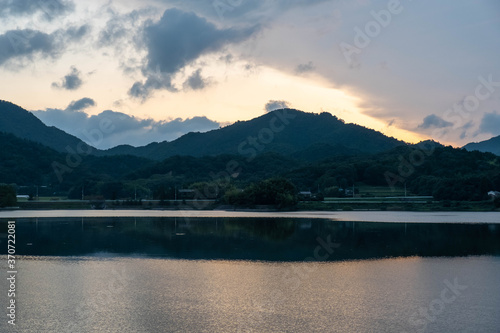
(249, 239)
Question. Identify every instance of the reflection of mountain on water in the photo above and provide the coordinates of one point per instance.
(249, 238)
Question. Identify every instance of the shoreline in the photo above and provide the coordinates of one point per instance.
(340, 216)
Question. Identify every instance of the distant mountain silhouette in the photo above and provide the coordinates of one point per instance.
(489, 146)
(23, 124)
(292, 133)
(288, 132)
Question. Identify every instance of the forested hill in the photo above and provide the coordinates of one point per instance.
(489, 146)
(292, 133)
(23, 124)
(27, 163)
(288, 132)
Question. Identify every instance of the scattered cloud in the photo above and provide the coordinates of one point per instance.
(196, 81)
(25, 44)
(81, 104)
(71, 81)
(48, 8)
(239, 11)
(276, 105)
(490, 123)
(304, 68)
(177, 40)
(121, 28)
(433, 121)
(123, 128)
(74, 34)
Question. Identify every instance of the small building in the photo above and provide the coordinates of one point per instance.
(305, 195)
(186, 194)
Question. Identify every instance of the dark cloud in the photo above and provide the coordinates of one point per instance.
(25, 44)
(304, 68)
(238, 11)
(490, 123)
(81, 104)
(177, 40)
(72, 81)
(155, 81)
(435, 122)
(123, 128)
(74, 34)
(276, 105)
(196, 81)
(48, 8)
(122, 27)
(180, 37)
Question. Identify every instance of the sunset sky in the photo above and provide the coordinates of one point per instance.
(159, 69)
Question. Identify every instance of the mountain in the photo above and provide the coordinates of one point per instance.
(489, 146)
(288, 132)
(23, 124)
(25, 162)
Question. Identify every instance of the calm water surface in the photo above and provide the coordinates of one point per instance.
(253, 275)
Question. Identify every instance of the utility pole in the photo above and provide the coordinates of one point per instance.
(135, 193)
(405, 189)
(83, 187)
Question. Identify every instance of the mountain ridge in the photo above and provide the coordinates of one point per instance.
(25, 125)
(289, 132)
(285, 131)
(488, 146)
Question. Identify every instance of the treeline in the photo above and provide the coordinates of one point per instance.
(443, 172)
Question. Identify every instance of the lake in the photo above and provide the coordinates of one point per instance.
(253, 274)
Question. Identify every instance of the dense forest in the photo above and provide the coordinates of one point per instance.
(274, 156)
(429, 169)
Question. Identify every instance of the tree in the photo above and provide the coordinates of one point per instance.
(278, 192)
(7, 196)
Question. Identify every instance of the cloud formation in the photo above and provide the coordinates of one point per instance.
(490, 123)
(177, 40)
(304, 68)
(125, 129)
(71, 81)
(81, 104)
(49, 8)
(195, 81)
(433, 121)
(25, 44)
(276, 105)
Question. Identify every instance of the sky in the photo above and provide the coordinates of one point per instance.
(157, 69)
